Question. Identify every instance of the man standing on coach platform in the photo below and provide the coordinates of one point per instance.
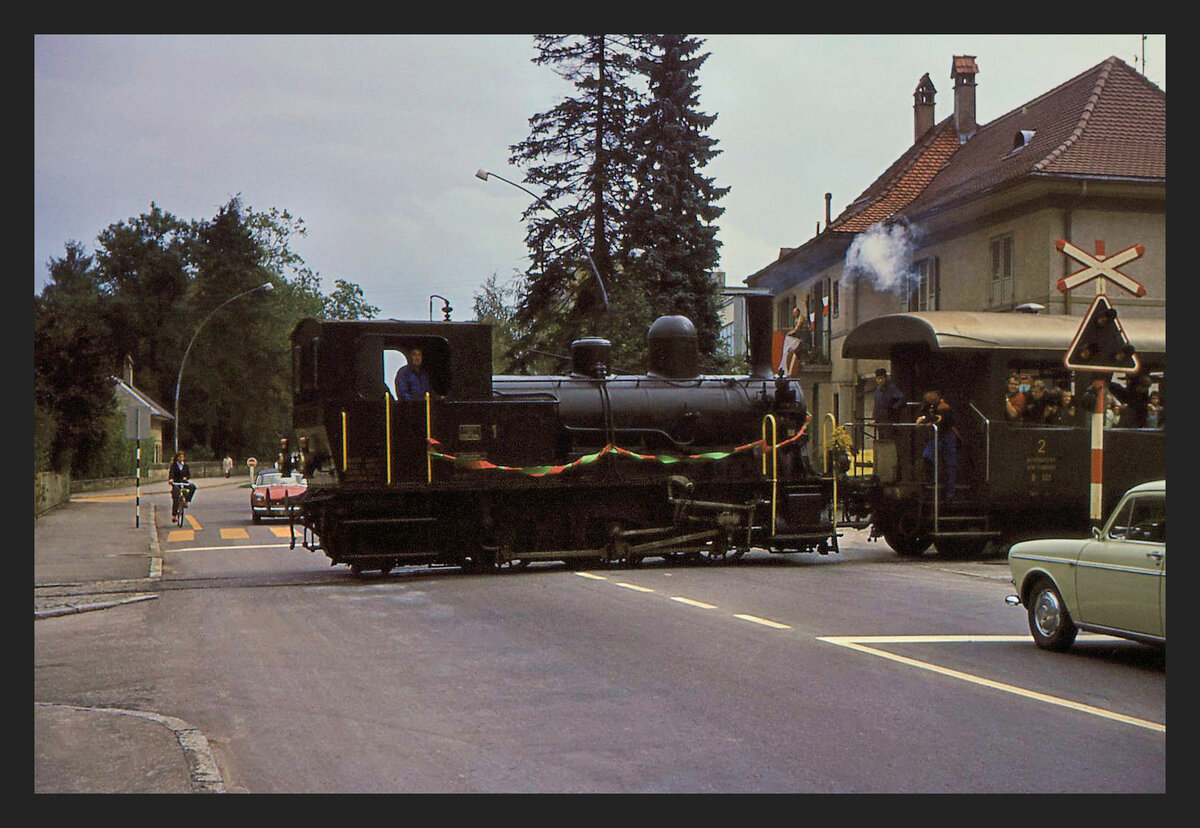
(889, 404)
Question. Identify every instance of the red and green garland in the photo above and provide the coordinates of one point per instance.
(587, 459)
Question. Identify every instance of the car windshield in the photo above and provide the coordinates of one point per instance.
(1141, 518)
(274, 477)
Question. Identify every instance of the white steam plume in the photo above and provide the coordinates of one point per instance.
(883, 254)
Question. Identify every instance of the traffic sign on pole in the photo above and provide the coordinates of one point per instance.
(1100, 343)
(1099, 266)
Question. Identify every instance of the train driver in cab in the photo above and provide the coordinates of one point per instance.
(412, 380)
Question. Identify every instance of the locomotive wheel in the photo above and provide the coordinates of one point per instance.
(494, 560)
(585, 563)
(906, 545)
(512, 565)
(718, 550)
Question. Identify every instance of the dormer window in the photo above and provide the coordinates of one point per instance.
(1022, 138)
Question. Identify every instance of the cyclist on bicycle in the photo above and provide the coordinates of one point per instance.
(180, 473)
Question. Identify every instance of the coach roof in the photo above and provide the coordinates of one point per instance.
(966, 330)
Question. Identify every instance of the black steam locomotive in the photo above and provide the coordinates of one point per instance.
(591, 468)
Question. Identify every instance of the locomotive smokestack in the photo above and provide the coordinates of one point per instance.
(758, 329)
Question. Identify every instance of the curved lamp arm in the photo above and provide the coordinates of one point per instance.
(485, 174)
(446, 309)
(179, 379)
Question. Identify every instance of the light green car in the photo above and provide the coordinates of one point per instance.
(1114, 582)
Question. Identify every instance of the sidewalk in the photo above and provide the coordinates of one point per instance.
(100, 551)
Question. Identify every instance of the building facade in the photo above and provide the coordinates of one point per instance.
(970, 217)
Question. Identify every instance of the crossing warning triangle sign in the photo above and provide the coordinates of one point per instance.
(1100, 344)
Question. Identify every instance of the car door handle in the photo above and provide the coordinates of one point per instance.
(1156, 555)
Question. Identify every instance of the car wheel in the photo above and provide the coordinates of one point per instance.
(1049, 621)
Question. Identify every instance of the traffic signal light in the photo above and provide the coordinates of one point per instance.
(1100, 344)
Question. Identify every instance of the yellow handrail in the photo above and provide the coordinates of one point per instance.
(428, 437)
(387, 432)
(774, 463)
(826, 452)
(345, 449)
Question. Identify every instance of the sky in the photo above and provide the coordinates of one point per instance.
(374, 140)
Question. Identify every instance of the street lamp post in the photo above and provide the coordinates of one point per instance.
(446, 309)
(267, 286)
(485, 174)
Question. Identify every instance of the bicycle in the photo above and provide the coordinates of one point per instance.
(179, 502)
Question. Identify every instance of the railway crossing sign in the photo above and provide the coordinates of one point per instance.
(1100, 343)
(1099, 266)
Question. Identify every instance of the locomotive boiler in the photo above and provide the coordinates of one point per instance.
(587, 467)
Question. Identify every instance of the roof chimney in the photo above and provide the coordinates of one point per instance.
(828, 216)
(923, 107)
(128, 370)
(963, 71)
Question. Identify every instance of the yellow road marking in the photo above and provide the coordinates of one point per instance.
(281, 531)
(634, 587)
(858, 643)
(590, 575)
(180, 535)
(232, 534)
(192, 520)
(692, 603)
(756, 620)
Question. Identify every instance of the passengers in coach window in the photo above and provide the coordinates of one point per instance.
(1156, 412)
(1036, 403)
(1067, 412)
(1014, 399)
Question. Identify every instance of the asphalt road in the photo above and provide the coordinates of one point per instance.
(857, 672)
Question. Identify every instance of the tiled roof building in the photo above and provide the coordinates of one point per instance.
(973, 212)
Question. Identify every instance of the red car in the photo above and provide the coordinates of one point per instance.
(274, 496)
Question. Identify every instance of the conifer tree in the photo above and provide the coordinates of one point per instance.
(672, 249)
(578, 157)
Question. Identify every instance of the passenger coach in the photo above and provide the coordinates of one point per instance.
(1016, 479)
